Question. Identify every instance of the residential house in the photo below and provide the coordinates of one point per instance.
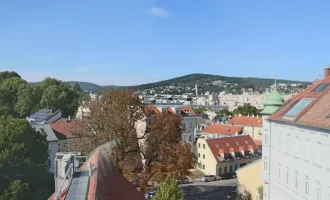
(58, 137)
(221, 130)
(44, 116)
(252, 125)
(97, 178)
(249, 179)
(52, 140)
(296, 145)
(188, 115)
(219, 156)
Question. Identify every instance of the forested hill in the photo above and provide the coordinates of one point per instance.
(204, 81)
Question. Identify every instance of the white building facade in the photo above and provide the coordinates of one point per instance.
(296, 142)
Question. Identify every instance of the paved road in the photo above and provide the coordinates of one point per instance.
(215, 190)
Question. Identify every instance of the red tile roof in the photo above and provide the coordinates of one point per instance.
(258, 142)
(246, 121)
(185, 110)
(189, 109)
(61, 129)
(231, 144)
(106, 182)
(223, 129)
(313, 115)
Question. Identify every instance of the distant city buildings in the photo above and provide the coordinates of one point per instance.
(295, 145)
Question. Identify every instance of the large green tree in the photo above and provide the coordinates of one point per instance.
(6, 102)
(169, 190)
(6, 74)
(28, 100)
(23, 161)
(246, 110)
(13, 85)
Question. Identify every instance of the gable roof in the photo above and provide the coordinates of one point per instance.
(105, 182)
(61, 129)
(227, 143)
(246, 121)
(45, 129)
(313, 114)
(224, 129)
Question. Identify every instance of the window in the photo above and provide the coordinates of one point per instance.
(48, 162)
(318, 190)
(203, 166)
(199, 145)
(203, 156)
(296, 180)
(266, 138)
(279, 141)
(306, 185)
(321, 87)
(191, 125)
(318, 152)
(231, 169)
(293, 112)
(178, 111)
(226, 169)
(287, 175)
(199, 155)
(265, 164)
(190, 138)
(203, 146)
(220, 170)
(306, 149)
(296, 146)
(236, 167)
(278, 171)
(287, 144)
(183, 126)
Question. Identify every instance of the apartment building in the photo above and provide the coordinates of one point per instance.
(188, 118)
(252, 125)
(220, 156)
(295, 146)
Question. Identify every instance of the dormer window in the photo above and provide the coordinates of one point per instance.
(178, 111)
(296, 109)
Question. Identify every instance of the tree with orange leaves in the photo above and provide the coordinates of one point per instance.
(114, 118)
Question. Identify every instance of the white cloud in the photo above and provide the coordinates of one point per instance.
(159, 12)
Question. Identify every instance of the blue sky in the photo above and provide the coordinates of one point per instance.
(126, 42)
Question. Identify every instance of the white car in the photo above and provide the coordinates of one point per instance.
(208, 178)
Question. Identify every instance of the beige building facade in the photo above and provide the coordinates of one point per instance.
(249, 178)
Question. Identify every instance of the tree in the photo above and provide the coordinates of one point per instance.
(199, 110)
(23, 160)
(114, 118)
(28, 99)
(261, 192)
(6, 102)
(223, 113)
(168, 190)
(246, 110)
(44, 84)
(6, 74)
(13, 84)
(60, 97)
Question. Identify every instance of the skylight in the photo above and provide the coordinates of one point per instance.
(295, 110)
(321, 87)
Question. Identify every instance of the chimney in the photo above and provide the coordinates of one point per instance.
(327, 72)
(69, 118)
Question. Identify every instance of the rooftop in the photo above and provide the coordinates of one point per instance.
(41, 116)
(246, 121)
(224, 129)
(228, 145)
(311, 107)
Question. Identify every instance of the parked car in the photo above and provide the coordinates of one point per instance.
(208, 178)
(150, 195)
(228, 176)
(186, 181)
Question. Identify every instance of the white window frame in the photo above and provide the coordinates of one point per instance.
(296, 180)
(306, 149)
(318, 152)
(278, 171)
(287, 144)
(296, 146)
(318, 190)
(266, 164)
(306, 186)
(279, 138)
(287, 175)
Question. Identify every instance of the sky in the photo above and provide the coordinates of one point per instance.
(129, 42)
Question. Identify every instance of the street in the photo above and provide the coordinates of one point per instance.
(215, 190)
